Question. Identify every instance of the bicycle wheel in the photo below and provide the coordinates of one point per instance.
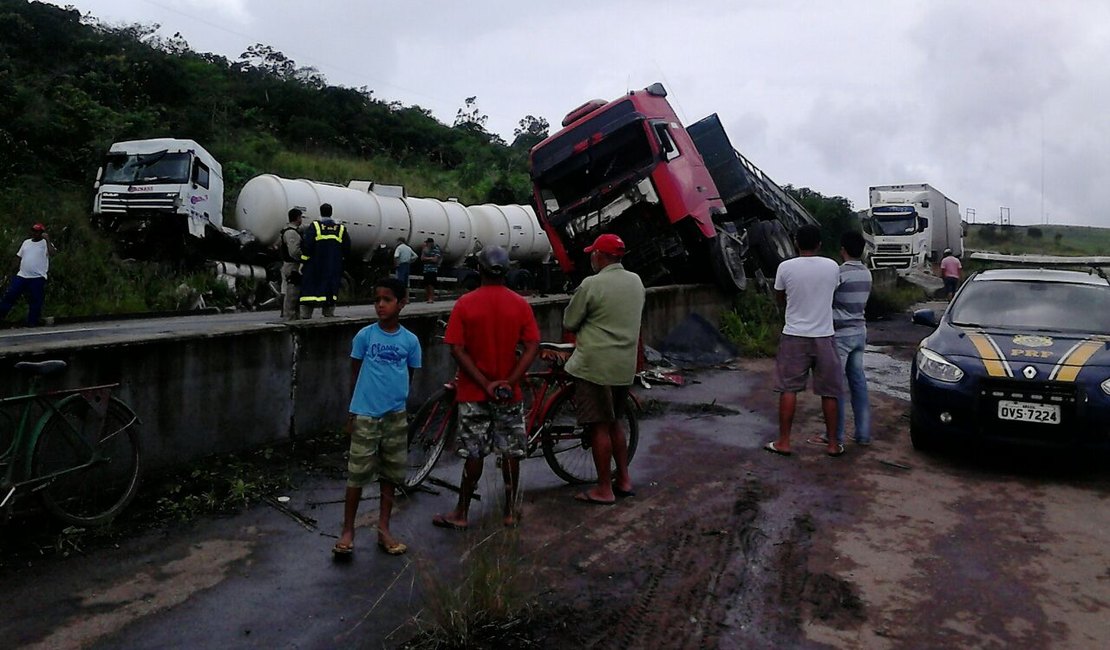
(566, 447)
(429, 430)
(94, 459)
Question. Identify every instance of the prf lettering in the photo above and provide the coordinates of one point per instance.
(1035, 354)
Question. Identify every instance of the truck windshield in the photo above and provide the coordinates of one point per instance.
(162, 167)
(902, 224)
(602, 166)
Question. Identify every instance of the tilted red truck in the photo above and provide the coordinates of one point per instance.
(689, 207)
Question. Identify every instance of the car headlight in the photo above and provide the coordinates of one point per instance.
(1106, 386)
(937, 367)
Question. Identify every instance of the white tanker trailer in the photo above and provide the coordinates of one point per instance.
(377, 215)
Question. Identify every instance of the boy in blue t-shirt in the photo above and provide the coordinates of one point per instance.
(383, 356)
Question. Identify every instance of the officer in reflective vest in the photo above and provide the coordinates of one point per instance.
(324, 244)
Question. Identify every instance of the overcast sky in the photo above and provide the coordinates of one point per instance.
(994, 102)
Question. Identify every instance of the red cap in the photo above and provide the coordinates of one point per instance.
(608, 244)
(38, 227)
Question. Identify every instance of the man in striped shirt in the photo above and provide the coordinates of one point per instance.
(849, 303)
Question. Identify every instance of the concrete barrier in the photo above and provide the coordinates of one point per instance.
(200, 395)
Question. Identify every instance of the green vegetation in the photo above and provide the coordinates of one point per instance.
(73, 85)
(754, 324)
(1043, 240)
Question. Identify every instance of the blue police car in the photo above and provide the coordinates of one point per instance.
(1020, 356)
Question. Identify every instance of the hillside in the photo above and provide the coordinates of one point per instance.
(70, 86)
(1044, 240)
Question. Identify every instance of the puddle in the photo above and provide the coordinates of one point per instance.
(886, 374)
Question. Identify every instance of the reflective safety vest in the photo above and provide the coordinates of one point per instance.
(323, 248)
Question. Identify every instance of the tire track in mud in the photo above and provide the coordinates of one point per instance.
(679, 604)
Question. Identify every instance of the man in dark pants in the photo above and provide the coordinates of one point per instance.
(430, 257)
(34, 264)
(324, 245)
(605, 314)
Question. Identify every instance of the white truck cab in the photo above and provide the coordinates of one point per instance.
(908, 226)
(158, 184)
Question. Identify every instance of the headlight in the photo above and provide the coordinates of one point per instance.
(1106, 386)
(937, 367)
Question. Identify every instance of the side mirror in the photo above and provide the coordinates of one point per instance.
(924, 223)
(925, 317)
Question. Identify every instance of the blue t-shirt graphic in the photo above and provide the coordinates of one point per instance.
(383, 382)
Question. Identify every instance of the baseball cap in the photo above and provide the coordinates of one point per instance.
(39, 227)
(493, 260)
(609, 244)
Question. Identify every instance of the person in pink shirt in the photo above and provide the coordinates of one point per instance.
(950, 269)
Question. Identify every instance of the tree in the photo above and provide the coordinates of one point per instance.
(530, 132)
(268, 60)
(470, 117)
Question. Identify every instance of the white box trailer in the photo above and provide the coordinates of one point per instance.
(908, 226)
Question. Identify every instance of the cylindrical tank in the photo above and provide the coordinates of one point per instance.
(376, 220)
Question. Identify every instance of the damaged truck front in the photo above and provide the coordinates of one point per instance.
(629, 167)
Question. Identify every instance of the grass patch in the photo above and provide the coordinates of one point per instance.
(884, 303)
(753, 324)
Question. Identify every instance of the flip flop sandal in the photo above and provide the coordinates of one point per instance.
(770, 446)
(584, 497)
(839, 451)
(396, 548)
(439, 521)
(342, 550)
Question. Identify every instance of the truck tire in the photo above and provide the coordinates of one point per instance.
(771, 244)
(520, 280)
(469, 280)
(727, 258)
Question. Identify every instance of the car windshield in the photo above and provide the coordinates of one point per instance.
(159, 167)
(1030, 305)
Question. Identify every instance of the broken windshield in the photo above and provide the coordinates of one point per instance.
(598, 167)
(161, 167)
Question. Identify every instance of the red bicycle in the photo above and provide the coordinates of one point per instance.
(549, 420)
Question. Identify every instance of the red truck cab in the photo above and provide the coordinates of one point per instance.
(628, 167)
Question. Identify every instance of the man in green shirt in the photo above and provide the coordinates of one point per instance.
(605, 314)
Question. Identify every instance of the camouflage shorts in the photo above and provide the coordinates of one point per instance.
(379, 450)
(488, 426)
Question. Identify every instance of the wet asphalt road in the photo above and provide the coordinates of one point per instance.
(724, 546)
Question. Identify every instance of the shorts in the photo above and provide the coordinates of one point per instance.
(486, 426)
(798, 355)
(950, 284)
(430, 278)
(596, 403)
(379, 450)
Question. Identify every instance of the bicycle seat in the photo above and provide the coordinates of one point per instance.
(562, 347)
(41, 367)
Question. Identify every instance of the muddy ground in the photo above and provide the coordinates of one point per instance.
(724, 545)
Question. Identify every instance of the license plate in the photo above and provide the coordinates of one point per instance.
(1028, 412)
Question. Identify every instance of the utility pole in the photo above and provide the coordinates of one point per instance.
(970, 218)
(1003, 216)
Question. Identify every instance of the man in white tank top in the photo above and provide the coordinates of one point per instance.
(34, 264)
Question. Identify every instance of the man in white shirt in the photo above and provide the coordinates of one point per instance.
(805, 285)
(34, 264)
(403, 256)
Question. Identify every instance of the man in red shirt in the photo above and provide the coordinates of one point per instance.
(484, 329)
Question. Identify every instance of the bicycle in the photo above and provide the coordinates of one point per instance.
(81, 456)
(550, 423)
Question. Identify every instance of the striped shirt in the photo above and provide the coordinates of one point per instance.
(850, 299)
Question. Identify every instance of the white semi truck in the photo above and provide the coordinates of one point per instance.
(166, 195)
(158, 190)
(908, 226)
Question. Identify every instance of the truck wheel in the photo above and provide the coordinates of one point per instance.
(772, 245)
(520, 280)
(728, 263)
(469, 279)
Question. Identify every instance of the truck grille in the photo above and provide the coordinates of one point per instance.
(889, 248)
(891, 261)
(121, 203)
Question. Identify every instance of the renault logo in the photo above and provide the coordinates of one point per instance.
(1029, 372)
